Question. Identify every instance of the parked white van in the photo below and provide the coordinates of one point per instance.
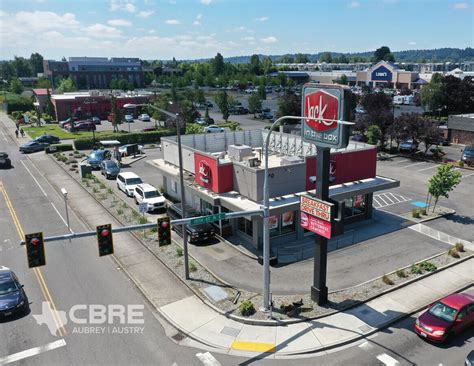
(127, 181)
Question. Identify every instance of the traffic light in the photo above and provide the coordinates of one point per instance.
(105, 240)
(164, 231)
(35, 250)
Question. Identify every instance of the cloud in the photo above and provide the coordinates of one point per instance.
(145, 13)
(122, 5)
(197, 22)
(261, 19)
(206, 2)
(412, 43)
(461, 6)
(172, 22)
(199, 17)
(172, 1)
(151, 31)
(269, 40)
(353, 4)
(248, 38)
(2, 13)
(38, 20)
(101, 30)
(119, 23)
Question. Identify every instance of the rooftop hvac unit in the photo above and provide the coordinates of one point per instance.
(254, 162)
(290, 160)
(238, 152)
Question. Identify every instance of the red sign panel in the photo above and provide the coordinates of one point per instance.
(315, 207)
(316, 225)
(321, 105)
(204, 171)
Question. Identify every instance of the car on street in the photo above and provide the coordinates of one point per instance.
(360, 137)
(13, 299)
(49, 139)
(109, 168)
(70, 120)
(196, 233)
(468, 155)
(97, 156)
(127, 181)
(95, 120)
(128, 118)
(360, 110)
(82, 126)
(5, 162)
(409, 145)
(213, 129)
(201, 121)
(209, 104)
(33, 146)
(144, 117)
(266, 115)
(469, 359)
(146, 193)
(446, 317)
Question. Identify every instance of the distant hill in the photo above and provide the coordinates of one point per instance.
(433, 55)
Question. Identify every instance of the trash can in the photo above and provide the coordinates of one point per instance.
(85, 170)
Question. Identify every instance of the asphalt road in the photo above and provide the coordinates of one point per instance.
(74, 275)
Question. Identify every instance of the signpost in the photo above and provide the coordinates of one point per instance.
(329, 107)
(210, 218)
(142, 206)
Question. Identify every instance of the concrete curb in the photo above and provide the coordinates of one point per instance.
(433, 161)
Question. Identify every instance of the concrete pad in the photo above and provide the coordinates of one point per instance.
(212, 331)
(294, 338)
(189, 313)
(257, 333)
(131, 259)
(144, 271)
(465, 269)
(446, 281)
(378, 311)
(337, 328)
(161, 293)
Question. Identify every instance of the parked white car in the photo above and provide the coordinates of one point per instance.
(146, 193)
(127, 181)
(124, 150)
(213, 129)
(128, 118)
(144, 117)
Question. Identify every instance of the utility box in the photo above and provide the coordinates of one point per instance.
(85, 170)
(238, 152)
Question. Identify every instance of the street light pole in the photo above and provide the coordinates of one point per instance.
(175, 116)
(64, 192)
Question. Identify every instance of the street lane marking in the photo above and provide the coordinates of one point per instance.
(431, 167)
(408, 166)
(32, 176)
(387, 360)
(32, 352)
(37, 271)
(62, 218)
(207, 359)
(254, 346)
(469, 175)
(398, 162)
(366, 346)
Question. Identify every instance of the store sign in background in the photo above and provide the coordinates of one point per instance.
(382, 74)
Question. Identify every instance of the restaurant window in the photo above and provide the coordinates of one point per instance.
(282, 223)
(245, 226)
(354, 205)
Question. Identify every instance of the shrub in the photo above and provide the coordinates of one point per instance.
(423, 211)
(19, 103)
(453, 253)
(120, 211)
(459, 247)
(58, 147)
(415, 213)
(415, 269)
(95, 190)
(129, 138)
(179, 252)
(102, 185)
(142, 220)
(110, 191)
(387, 280)
(71, 161)
(428, 266)
(461, 163)
(247, 308)
(401, 273)
(192, 267)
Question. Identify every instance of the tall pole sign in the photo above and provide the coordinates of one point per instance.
(328, 106)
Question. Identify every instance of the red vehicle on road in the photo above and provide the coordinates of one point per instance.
(446, 318)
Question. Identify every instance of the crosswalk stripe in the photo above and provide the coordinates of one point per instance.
(387, 360)
(207, 359)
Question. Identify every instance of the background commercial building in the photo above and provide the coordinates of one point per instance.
(96, 72)
(461, 129)
(224, 173)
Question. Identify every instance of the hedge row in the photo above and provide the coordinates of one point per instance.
(19, 104)
(152, 137)
(60, 147)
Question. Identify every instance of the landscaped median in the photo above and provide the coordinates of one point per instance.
(244, 305)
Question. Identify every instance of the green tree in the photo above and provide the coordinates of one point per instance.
(16, 86)
(222, 101)
(36, 64)
(66, 85)
(199, 96)
(116, 113)
(21, 67)
(49, 108)
(262, 94)
(255, 103)
(379, 113)
(289, 105)
(343, 80)
(443, 182)
(206, 115)
(383, 54)
(217, 64)
(254, 66)
(373, 135)
(43, 83)
(194, 129)
(301, 58)
(433, 94)
(326, 57)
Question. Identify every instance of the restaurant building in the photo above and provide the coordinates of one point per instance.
(224, 172)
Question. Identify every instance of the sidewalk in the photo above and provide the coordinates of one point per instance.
(181, 308)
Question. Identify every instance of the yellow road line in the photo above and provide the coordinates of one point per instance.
(37, 271)
(254, 346)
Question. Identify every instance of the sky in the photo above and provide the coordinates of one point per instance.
(192, 29)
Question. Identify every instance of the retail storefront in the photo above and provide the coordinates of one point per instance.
(387, 75)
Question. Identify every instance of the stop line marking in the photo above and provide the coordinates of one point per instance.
(32, 352)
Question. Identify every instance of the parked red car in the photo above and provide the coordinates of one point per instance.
(446, 318)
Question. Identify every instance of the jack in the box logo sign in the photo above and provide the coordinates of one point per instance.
(204, 171)
(325, 105)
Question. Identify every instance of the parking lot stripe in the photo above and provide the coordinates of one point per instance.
(387, 360)
(431, 167)
(469, 175)
(397, 198)
(385, 203)
(408, 166)
(385, 195)
(377, 202)
(399, 161)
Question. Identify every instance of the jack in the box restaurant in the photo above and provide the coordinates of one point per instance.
(224, 172)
